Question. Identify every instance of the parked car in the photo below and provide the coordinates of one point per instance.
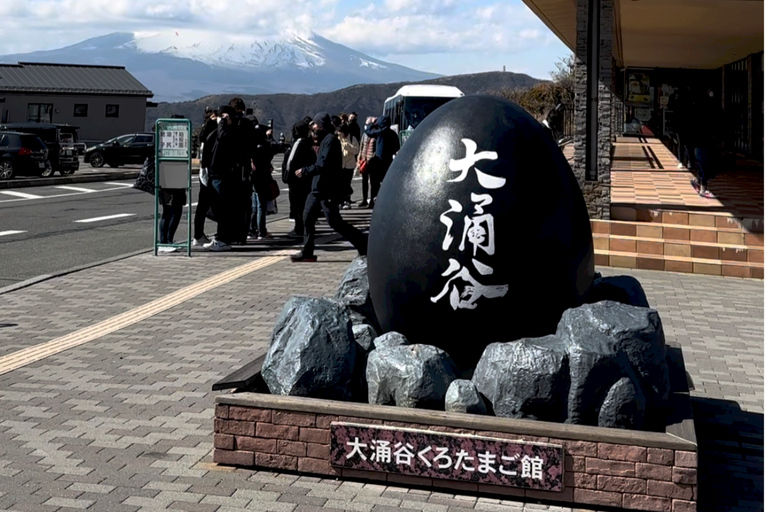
(132, 148)
(23, 154)
(60, 139)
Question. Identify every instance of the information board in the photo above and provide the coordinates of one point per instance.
(174, 140)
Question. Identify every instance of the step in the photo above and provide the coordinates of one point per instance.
(681, 248)
(671, 263)
(730, 234)
(725, 220)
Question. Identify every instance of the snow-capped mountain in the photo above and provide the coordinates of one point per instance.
(179, 66)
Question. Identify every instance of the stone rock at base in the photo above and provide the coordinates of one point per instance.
(312, 352)
(462, 396)
(390, 339)
(354, 293)
(527, 378)
(624, 289)
(623, 407)
(608, 341)
(409, 376)
(364, 335)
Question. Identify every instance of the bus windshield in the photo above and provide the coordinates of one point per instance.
(416, 109)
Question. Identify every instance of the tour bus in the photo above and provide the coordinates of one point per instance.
(412, 103)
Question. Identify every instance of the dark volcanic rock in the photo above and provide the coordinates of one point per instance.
(623, 407)
(444, 253)
(364, 335)
(462, 396)
(354, 293)
(390, 339)
(312, 352)
(409, 376)
(607, 342)
(527, 378)
(624, 289)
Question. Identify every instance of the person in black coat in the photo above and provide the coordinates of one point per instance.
(300, 154)
(387, 145)
(327, 190)
(205, 195)
(354, 128)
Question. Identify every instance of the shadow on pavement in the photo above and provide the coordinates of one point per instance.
(730, 456)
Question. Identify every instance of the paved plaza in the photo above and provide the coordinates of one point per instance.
(123, 420)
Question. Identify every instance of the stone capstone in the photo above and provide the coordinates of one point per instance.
(312, 352)
(527, 378)
(390, 339)
(409, 376)
(354, 293)
(462, 396)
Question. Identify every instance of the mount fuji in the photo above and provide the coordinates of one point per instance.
(188, 65)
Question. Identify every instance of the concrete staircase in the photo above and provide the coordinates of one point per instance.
(713, 243)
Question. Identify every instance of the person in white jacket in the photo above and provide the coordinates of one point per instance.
(350, 147)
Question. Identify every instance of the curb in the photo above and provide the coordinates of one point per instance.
(46, 277)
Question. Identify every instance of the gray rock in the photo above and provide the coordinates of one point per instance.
(623, 407)
(624, 289)
(364, 335)
(462, 396)
(390, 339)
(608, 341)
(354, 293)
(409, 376)
(312, 352)
(527, 378)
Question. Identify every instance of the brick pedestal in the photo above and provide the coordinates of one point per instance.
(609, 467)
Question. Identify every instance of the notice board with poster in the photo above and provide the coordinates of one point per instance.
(639, 92)
(173, 161)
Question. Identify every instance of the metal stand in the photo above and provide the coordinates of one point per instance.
(173, 170)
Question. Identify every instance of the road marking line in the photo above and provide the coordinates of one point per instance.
(127, 185)
(20, 194)
(75, 189)
(193, 204)
(108, 217)
(36, 353)
(5, 233)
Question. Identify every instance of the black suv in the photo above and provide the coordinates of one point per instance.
(60, 139)
(133, 148)
(22, 153)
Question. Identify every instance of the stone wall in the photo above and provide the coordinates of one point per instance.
(597, 193)
(596, 473)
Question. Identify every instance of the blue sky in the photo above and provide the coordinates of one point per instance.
(441, 36)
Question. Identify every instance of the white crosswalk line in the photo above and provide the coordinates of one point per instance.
(6, 233)
(108, 217)
(126, 185)
(193, 204)
(20, 194)
(74, 189)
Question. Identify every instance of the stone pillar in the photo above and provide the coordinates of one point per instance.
(593, 104)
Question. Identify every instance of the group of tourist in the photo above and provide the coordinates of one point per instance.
(236, 181)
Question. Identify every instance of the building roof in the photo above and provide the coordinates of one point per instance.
(70, 78)
(669, 33)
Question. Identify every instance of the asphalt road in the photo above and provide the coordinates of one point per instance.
(49, 229)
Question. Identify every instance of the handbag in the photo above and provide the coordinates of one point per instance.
(362, 166)
(145, 181)
(274, 189)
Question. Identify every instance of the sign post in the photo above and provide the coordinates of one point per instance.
(173, 158)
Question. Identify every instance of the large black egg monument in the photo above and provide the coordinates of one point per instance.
(480, 232)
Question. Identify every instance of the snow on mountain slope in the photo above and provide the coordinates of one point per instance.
(189, 64)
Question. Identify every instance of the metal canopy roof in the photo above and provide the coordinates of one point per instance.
(694, 34)
(70, 78)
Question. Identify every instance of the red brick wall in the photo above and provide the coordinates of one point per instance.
(631, 477)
